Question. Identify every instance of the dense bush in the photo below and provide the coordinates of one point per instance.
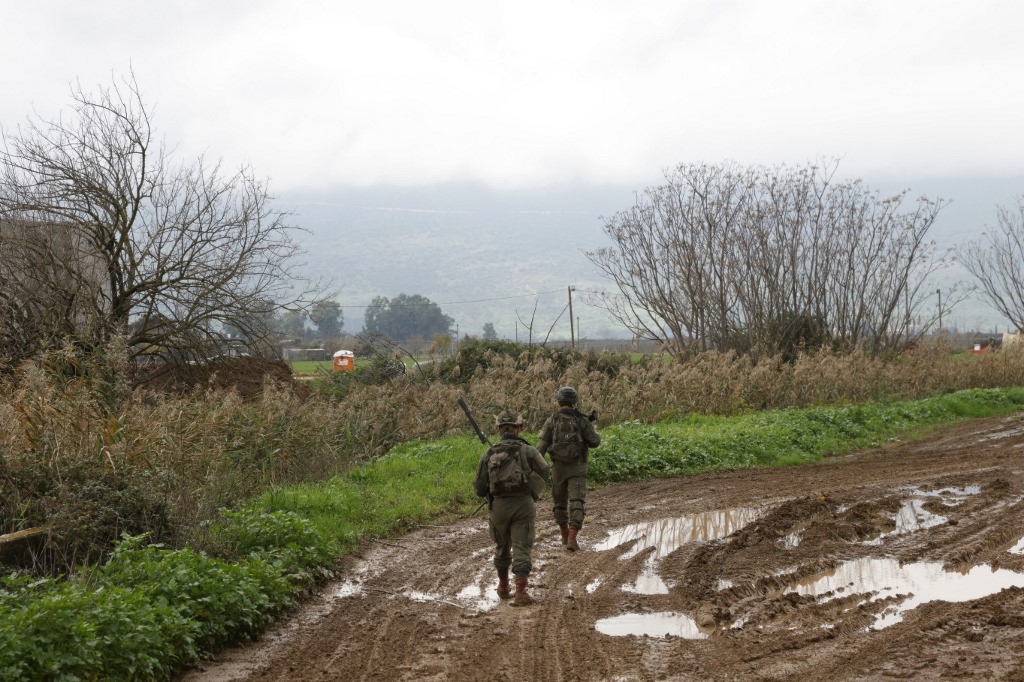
(149, 612)
(475, 356)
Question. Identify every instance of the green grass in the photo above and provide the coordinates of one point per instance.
(415, 482)
(780, 438)
(311, 366)
(418, 481)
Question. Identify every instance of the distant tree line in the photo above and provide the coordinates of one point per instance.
(405, 316)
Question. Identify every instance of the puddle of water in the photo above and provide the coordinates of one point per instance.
(648, 582)
(951, 491)
(418, 596)
(918, 583)
(592, 587)
(662, 624)
(346, 589)
(1018, 548)
(351, 587)
(911, 518)
(481, 594)
(912, 515)
(667, 535)
(1000, 435)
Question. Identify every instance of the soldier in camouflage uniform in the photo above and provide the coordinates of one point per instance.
(569, 471)
(513, 514)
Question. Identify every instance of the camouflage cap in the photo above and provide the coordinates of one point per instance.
(567, 395)
(508, 418)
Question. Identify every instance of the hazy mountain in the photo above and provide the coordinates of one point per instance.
(486, 255)
(482, 255)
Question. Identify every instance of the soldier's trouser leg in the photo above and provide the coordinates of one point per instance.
(513, 529)
(577, 497)
(560, 503)
(501, 533)
(564, 489)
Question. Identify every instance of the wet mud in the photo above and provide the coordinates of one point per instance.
(902, 562)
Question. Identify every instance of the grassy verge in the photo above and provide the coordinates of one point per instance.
(418, 481)
(149, 612)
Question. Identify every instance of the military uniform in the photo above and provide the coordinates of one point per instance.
(569, 479)
(513, 519)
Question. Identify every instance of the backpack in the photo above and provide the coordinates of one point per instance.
(507, 474)
(566, 439)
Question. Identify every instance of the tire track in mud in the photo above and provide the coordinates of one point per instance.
(423, 607)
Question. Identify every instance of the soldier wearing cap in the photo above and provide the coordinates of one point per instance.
(567, 437)
(513, 514)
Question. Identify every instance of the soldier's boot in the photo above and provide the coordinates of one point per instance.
(522, 596)
(565, 532)
(503, 589)
(570, 541)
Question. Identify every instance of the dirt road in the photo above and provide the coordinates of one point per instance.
(895, 563)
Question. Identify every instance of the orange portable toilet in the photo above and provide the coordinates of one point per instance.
(344, 361)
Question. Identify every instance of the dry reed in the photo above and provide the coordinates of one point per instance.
(185, 457)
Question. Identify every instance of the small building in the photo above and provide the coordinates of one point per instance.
(344, 361)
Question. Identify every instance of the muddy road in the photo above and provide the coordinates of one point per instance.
(901, 562)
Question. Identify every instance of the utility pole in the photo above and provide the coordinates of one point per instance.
(572, 331)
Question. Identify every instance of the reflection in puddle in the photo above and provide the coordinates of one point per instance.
(917, 583)
(792, 540)
(910, 518)
(592, 587)
(667, 535)
(664, 624)
(955, 493)
(480, 594)
(1018, 548)
(912, 515)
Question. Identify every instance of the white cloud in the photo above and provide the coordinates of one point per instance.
(536, 92)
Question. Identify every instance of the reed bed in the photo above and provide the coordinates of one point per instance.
(93, 460)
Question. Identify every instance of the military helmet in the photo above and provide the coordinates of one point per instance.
(508, 418)
(567, 395)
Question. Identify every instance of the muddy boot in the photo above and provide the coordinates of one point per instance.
(503, 589)
(565, 532)
(522, 597)
(570, 541)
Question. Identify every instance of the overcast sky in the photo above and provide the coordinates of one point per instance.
(533, 93)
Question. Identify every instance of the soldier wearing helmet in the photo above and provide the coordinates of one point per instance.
(567, 437)
(512, 474)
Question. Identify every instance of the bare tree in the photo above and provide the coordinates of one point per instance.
(168, 254)
(996, 260)
(769, 259)
(45, 289)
